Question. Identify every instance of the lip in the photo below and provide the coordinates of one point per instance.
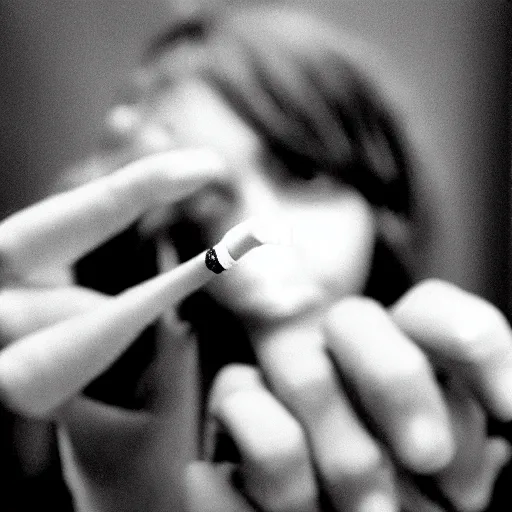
(270, 305)
(268, 286)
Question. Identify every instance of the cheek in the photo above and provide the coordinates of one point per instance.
(330, 256)
(334, 243)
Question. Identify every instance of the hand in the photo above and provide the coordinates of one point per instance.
(365, 425)
(40, 374)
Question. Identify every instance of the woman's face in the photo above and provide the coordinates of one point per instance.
(332, 224)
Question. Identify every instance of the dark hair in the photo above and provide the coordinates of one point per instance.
(304, 95)
(290, 77)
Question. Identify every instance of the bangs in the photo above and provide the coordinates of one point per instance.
(312, 107)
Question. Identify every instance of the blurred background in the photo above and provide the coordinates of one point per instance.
(62, 60)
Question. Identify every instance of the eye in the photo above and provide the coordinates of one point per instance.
(285, 168)
(300, 179)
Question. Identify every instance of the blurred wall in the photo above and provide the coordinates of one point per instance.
(61, 60)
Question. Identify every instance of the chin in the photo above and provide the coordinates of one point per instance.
(278, 305)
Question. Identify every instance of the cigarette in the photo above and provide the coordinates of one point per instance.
(39, 372)
(60, 229)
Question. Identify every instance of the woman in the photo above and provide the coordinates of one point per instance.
(345, 411)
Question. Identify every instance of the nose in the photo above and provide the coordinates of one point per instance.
(258, 196)
(269, 286)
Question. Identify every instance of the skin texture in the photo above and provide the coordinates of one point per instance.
(304, 331)
(344, 411)
(95, 435)
(278, 281)
(289, 442)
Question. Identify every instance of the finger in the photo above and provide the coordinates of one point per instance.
(43, 369)
(24, 311)
(276, 468)
(475, 494)
(210, 489)
(470, 431)
(352, 467)
(469, 480)
(466, 334)
(61, 228)
(394, 382)
(463, 497)
(497, 456)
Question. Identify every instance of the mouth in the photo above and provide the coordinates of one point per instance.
(266, 304)
(277, 305)
(269, 286)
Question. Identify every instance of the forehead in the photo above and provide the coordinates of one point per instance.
(196, 114)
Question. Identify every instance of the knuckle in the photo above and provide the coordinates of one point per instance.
(403, 381)
(422, 295)
(288, 454)
(400, 384)
(410, 366)
(432, 286)
(472, 329)
(230, 379)
(479, 332)
(309, 388)
(350, 311)
(354, 465)
(236, 374)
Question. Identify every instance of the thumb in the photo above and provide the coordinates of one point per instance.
(470, 478)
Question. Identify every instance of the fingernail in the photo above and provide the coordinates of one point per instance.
(428, 445)
(377, 501)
